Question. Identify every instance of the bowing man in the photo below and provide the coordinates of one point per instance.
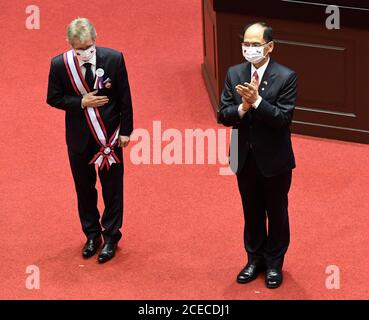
(91, 85)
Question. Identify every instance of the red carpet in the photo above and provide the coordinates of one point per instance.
(182, 224)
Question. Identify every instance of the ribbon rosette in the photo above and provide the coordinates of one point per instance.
(105, 157)
(99, 79)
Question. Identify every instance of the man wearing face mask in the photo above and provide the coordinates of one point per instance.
(91, 85)
(258, 101)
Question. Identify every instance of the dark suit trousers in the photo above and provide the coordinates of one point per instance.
(265, 200)
(84, 175)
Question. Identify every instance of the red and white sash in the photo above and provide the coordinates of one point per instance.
(105, 156)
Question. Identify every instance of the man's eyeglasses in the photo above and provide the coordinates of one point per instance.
(253, 44)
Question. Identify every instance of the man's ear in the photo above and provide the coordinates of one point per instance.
(69, 43)
(271, 47)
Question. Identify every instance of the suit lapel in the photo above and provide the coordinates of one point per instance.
(100, 59)
(246, 75)
(268, 79)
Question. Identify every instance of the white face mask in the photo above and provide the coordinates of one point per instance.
(85, 55)
(253, 54)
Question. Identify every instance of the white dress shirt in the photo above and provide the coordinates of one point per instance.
(260, 73)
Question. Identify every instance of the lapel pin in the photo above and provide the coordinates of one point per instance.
(107, 83)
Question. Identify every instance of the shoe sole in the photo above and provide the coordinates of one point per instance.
(104, 261)
(273, 286)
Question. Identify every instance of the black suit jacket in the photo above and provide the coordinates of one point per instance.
(61, 95)
(267, 128)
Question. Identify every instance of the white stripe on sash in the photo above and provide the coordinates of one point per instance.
(75, 74)
(95, 123)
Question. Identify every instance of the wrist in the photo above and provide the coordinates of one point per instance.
(245, 106)
(256, 104)
(83, 103)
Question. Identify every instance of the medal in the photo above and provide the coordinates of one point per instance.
(100, 73)
(99, 79)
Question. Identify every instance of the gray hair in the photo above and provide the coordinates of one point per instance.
(81, 29)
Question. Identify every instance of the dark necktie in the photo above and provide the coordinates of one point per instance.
(89, 77)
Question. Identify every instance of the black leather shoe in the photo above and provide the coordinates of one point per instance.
(91, 247)
(107, 252)
(273, 278)
(249, 273)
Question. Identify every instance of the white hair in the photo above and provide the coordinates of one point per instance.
(81, 29)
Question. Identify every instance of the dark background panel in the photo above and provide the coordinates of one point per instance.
(332, 65)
